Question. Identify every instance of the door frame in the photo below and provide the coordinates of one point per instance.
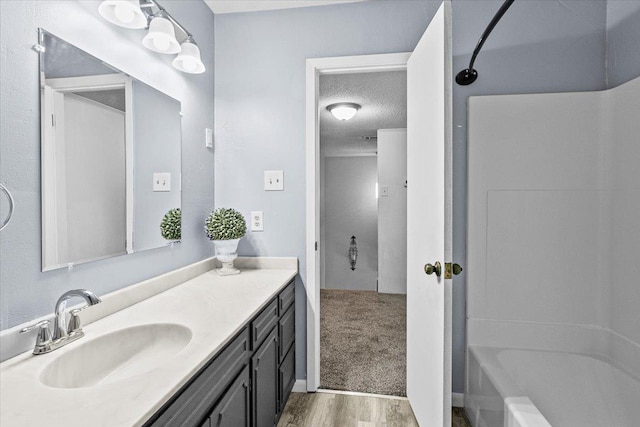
(314, 68)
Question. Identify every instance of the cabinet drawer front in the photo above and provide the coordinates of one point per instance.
(287, 297)
(194, 402)
(287, 331)
(287, 377)
(263, 324)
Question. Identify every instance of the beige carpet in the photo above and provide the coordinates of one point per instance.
(363, 342)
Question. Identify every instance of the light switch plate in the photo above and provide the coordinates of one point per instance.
(273, 180)
(257, 221)
(162, 181)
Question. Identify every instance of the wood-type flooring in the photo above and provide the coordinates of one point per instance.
(325, 409)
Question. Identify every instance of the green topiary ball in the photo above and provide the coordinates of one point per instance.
(225, 224)
(171, 225)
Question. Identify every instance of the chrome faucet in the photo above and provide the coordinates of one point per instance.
(63, 332)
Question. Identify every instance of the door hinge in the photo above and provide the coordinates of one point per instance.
(53, 121)
(451, 270)
(316, 246)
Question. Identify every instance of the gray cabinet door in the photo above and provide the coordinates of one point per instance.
(233, 410)
(264, 375)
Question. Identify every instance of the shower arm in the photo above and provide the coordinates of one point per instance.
(469, 75)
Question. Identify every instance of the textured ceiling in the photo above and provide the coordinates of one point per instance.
(383, 97)
(232, 6)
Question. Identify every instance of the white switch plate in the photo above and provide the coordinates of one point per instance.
(208, 138)
(273, 180)
(162, 181)
(384, 191)
(257, 221)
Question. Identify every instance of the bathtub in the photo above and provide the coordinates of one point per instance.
(534, 388)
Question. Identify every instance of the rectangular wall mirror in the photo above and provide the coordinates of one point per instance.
(111, 159)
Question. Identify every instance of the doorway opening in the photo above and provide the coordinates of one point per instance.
(363, 200)
(315, 68)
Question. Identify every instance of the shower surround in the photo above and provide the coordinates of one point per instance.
(553, 244)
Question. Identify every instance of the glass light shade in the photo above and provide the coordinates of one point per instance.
(188, 60)
(161, 37)
(343, 110)
(123, 13)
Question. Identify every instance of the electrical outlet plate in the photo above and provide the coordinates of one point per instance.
(273, 180)
(257, 221)
(162, 181)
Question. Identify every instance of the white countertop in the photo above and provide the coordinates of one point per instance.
(214, 308)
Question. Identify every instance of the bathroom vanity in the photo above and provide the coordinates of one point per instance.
(248, 382)
(189, 348)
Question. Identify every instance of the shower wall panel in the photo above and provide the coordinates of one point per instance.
(554, 216)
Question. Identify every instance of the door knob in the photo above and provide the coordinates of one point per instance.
(433, 268)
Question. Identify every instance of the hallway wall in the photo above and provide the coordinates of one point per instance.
(350, 209)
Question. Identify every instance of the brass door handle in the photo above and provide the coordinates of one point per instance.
(433, 268)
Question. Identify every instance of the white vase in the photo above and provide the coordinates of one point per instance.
(226, 252)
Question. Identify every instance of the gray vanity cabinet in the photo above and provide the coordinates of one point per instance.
(248, 382)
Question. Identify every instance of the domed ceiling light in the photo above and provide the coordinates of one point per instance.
(343, 110)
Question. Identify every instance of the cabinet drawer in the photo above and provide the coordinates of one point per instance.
(287, 377)
(262, 325)
(287, 297)
(194, 402)
(287, 331)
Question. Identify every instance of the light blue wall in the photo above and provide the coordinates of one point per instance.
(26, 292)
(623, 41)
(260, 99)
(259, 104)
(538, 46)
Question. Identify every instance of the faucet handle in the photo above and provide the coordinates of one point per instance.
(44, 336)
(74, 322)
(41, 324)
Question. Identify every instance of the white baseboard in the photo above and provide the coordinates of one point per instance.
(300, 386)
(457, 400)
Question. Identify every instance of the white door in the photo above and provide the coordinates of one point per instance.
(429, 143)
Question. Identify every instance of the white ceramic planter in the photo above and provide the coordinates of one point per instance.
(226, 252)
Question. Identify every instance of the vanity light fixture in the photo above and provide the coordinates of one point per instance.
(124, 13)
(343, 110)
(188, 60)
(165, 35)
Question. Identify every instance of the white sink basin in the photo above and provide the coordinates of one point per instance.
(116, 356)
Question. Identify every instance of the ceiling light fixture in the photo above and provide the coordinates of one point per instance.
(343, 110)
(165, 35)
(123, 13)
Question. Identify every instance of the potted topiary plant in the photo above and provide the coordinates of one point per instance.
(225, 227)
(171, 225)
